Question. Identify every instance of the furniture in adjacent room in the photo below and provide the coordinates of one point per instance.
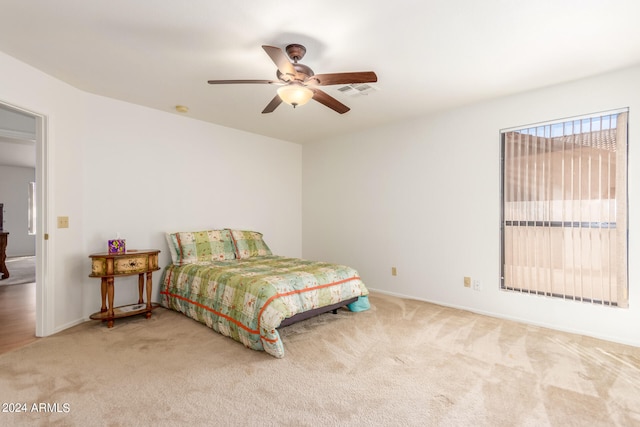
(4, 236)
(108, 266)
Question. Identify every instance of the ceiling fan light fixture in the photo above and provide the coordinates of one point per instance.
(295, 94)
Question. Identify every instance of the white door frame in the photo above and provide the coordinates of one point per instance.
(44, 270)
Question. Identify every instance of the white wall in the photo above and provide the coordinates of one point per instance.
(14, 183)
(25, 87)
(424, 196)
(157, 172)
(117, 167)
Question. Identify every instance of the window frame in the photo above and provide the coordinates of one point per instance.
(619, 198)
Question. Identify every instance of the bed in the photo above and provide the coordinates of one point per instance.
(230, 281)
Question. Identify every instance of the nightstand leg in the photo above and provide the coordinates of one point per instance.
(110, 296)
(140, 287)
(103, 292)
(149, 285)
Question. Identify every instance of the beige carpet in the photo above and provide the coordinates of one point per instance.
(402, 363)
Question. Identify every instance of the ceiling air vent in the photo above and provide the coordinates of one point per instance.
(357, 89)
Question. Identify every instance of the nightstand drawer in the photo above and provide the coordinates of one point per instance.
(123, 264)
(130, 265)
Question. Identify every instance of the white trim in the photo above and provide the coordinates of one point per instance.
(616, 339)
(68, 325)
(567, 119)
(18, 137)
(45, 284)
(44, 266)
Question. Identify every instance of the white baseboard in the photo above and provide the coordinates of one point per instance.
(68, 325)
(515, 319)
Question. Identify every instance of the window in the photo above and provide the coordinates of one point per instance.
(31, 208)
(564, 209)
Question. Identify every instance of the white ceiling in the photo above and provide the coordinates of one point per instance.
(428, 55)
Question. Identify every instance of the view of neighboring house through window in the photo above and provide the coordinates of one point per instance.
(564, 209)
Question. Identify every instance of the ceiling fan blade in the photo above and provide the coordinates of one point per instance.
(343, 78)
(228, 82)
(329, 101)
(281, 60)
(272, 105)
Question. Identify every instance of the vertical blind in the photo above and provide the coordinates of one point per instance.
(564, 209)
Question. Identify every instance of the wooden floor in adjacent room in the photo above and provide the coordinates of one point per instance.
(17, 316)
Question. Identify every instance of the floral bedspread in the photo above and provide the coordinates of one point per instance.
(246, 299)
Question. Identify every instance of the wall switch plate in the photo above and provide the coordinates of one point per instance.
(467, 281)
(394, 272)
(63, 222)
(477, 285)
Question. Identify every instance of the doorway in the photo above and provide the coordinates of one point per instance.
(23, 134)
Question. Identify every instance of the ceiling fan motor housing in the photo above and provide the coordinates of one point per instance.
(302, 73)
(295, 51)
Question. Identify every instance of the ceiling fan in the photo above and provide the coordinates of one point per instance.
(298, 82)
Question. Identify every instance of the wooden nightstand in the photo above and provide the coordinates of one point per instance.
(108, 266)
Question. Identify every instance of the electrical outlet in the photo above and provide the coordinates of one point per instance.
(467, 281)
(477, 285)
(63, 222)
(394, 272)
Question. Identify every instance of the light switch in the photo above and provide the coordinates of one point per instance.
(63, 222)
